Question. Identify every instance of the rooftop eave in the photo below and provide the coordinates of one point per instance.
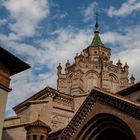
(14, 64)
(129, 90)
(98, 45)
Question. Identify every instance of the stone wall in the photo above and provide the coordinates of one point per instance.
(14, 133)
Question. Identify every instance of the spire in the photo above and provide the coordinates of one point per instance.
(96, 24)
(96, 39)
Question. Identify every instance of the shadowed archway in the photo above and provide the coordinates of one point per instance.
(105, 127)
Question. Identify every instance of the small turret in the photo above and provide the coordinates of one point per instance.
(81, 55)
(119, 64)
(37, 130)
(59, 69)
(132, 79)
(126, 67)
(68, 63)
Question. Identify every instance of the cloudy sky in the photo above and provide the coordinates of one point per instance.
(46, 32)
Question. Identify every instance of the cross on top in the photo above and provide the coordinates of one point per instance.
(97, 25)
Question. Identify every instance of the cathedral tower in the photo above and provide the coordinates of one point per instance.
(93, 68)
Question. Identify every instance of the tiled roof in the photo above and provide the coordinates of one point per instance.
(38, 123)
(129, 90)
(14, 64)
(96, 40)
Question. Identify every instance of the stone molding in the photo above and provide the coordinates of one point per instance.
(5, 88)
(38, 98)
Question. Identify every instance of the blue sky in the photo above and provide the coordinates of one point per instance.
(46, 32)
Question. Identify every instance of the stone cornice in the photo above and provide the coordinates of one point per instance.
(46, 92)
(63, 109)
(15, 126)
(5, 88)
(63, 99)
(38, 102)
(81, 95)
(124, 104)
(12, 118)
(129, 90)
(116, 101)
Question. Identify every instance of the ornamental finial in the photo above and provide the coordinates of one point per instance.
(96, 24)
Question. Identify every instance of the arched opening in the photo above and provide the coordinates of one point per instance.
(91, 81)
(113, 82)
(105, 127)
(112, 134)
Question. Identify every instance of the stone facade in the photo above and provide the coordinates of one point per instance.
(53, 107)
(94, 114)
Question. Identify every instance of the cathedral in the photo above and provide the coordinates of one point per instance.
(95, 99)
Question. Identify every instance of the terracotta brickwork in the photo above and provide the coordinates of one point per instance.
(93, 68)
(103, 103)
(99, 108)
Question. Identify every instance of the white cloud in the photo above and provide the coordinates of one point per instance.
(65, 45)
(27, 14)
(126, 8)
(125, 46)
(127, 39)
(89, 12)
(60, 14)
(3, 22)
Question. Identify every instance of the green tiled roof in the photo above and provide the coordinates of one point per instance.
(96, 40)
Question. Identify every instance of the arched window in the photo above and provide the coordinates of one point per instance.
(91, 80)
(42, 137)
(28, 137)
(34, 137)
(113, 82)
(105, 127)
(91, 83)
